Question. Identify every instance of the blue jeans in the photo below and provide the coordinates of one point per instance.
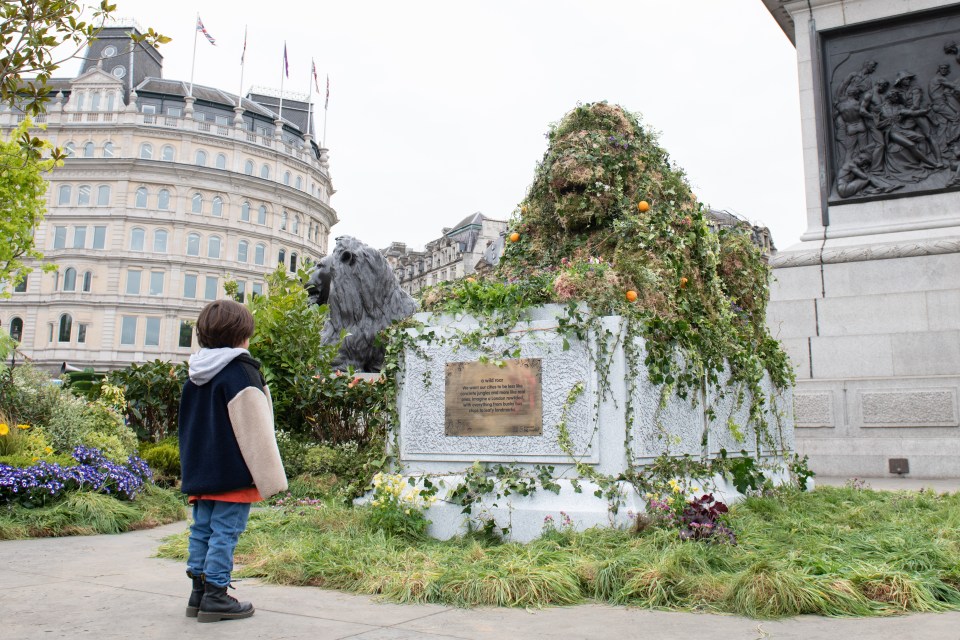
(213, 537)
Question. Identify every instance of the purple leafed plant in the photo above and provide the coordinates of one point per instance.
(702, 520)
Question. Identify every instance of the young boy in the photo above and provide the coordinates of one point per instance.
(228, 454)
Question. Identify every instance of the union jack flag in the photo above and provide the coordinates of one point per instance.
(326, 102)
(286, 63)
(313, 66)
(202, 29)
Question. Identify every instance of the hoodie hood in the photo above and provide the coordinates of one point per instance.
(207, 363)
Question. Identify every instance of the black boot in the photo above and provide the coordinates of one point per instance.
(193, 605)
(217, 605)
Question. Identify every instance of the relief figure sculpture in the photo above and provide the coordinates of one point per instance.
(945, 107)
(907, 156)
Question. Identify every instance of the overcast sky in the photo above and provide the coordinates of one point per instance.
(438, 109)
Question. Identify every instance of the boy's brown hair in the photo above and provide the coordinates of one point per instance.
(224, 323)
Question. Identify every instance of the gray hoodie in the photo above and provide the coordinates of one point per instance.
(207, 363)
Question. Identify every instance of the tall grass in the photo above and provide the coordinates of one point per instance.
(833, 552)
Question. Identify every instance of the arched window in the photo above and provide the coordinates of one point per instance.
(83, 195)
(108, 147)
(95, 101)
(283, 220)
(221, 161)
(16, 329)
(160, 241)
(88, 150)
(111, 100)
(136, 239)
(310, 231)
(217, 206)
(66, 326)
(65, 193)
(245, 211)
(264, 171)
(70, 279)
(293, 263)
(68, 150)
(286, 177)
(80, 96)
(146, 151)
(193, 244)
(260, 254)
(167, 153)
(140, 201)
(262, 214)
(201, 158)
(197, 206)
(282, 257)
(103, 195)
(299, 183)
(213, 247)
(87, 280)
(242, 251)
(248, 167)
(163, 200)
(296, 225)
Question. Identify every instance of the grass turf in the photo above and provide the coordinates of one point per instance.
(832, 552)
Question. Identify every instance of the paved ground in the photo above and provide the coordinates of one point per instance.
(110, 587)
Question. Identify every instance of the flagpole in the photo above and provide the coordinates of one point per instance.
(310, 95)
(193, 63)
(243, 59)
(283, 72)
(326, 103)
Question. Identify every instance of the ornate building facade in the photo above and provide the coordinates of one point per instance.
(169, 191)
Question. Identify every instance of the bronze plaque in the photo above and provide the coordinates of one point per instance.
(484, 399)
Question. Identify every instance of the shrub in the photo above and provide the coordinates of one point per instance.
(74, 422)
(27, 395)
(163, 456)
(397, 508)
(152, 391)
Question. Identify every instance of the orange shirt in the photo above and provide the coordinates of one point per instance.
(249, 494)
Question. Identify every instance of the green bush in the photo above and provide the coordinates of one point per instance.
(27, 395)
(152, 391)
(163, 457)
(75, 422)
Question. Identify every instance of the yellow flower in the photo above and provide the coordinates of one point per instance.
(36, 459)
(48, 450)
(4, 429)
(669, 499)
(23, 427)
(695, 489)
(677, 489)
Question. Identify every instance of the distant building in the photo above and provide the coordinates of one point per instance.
(453, 255)
(761, 236)
(168, 191)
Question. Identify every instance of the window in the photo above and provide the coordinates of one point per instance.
(197, 206)
(299, 183)
(95, 102)
(241, 291)
(217, 206)
(111, 100)
(80, 96)
(223, 121)
(264, 171)
(283, 221)
(213, 247)
(136, 239)
(199, 116)
(99, 237)
(103, 195)
(81, 333)
(79, 237)
(175, 112)
(59, 237)
(257, 290)
(147, 108)
(160, 241)
(83, 195)
(282, 257)
(210, 288)
(21, 287)
(65, 193)
(245, 211)
(87, 281)
(68, 150)
(156, 283)
(108, 149)
(296, 225)
(293, 263)
(186, 334)
(221, 160)
(88, 150)
(167, 153)
(201, 158)
(262, 214)
(66, 326)
(70, 279)
(310, 231)
(163, 200)
(128, 330)
(152, 339)
(146, 151)
(140, 199)
(16, 329)
(56, 282)
(242, 251)
(189, 285)
(259, 254)
(193, 244)
(133, 282)
(248, 167)
(286, 178)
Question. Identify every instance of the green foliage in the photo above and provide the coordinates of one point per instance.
(75, 422)
(831, 552)
(27, 395)
(152, 391)
(746, 475)
(87, 513)
(397, 508)
(164, 458)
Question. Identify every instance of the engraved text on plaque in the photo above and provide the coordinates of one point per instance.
(484, 399)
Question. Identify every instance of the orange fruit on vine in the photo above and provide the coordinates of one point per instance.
(471, 279)
(643, 206)
(631, 296)
(514, 237)
(683, 283)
